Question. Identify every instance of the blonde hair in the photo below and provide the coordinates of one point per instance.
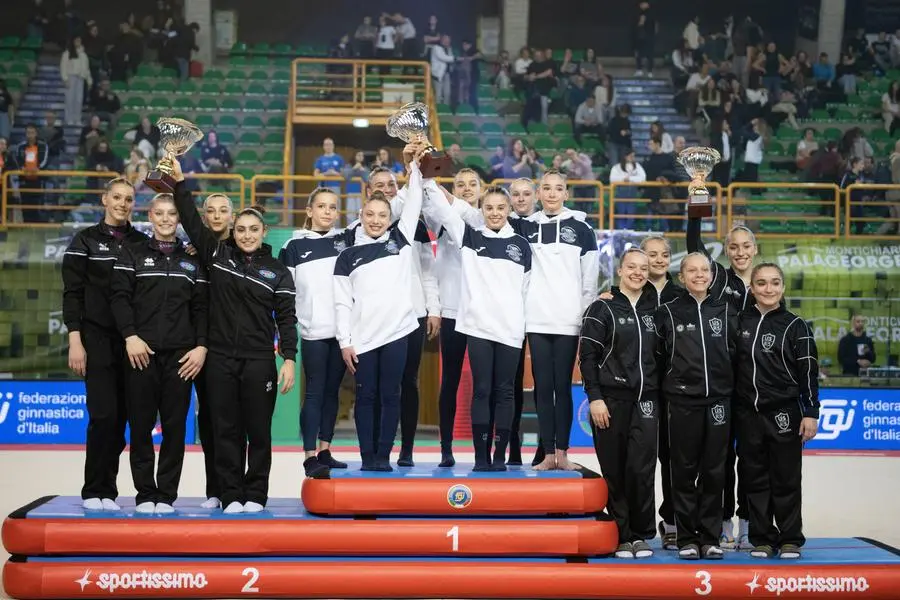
(160, 198)
(685, 259)
(656, 238)
(632, 250)
(737, 228)
(218, 195)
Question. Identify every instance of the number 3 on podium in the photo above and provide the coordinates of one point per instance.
(454, 534)
(705, 588)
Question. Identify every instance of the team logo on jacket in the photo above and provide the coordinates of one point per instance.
(459, 496)
(102, 247)
(717, 412)
(340, 246)
(648, 322)
(646, 407)
(187, 266)
(568, 235)
(621, 320)
(267, 274)
(715, 325)
(149, 262)
(679, 328)
(391, 247)
(514, 252)
(783, 421)
(768, 340)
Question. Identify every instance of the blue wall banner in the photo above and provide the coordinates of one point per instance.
(849, 419)
(54, 412)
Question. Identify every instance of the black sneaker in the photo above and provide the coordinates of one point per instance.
(447, 460)
(405, 459)
(315, 469)
(326, 459)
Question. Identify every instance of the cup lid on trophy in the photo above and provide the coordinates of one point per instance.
(409, 123)
(177, 136)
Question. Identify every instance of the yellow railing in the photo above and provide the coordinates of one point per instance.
(338, 91)
(49, 196)
(853, 220)
(671, 211)
(825, 210)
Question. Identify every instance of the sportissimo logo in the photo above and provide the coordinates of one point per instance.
(835, 417)
(144, 580)
(810, 584)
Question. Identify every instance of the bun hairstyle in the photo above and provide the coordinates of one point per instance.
(378, 196)
(556, 172)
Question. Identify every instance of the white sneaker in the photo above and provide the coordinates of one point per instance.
(253, 507)
(110, 504)
(638, 73)
(234, 508)
(743, 537)
(726, 538)
(650, 74)
(145, 508)
(92, 504)
(211, 503)
(164, 509)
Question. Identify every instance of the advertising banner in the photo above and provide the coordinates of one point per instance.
(55, 412)
(861, 419)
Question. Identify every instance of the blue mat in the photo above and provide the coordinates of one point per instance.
(460, 471)
(69, 507)
(819, 551)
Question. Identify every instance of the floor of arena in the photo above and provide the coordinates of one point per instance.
(844, 496)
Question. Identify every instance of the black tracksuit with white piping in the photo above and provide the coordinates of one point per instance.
(618, 350)
(777, 386)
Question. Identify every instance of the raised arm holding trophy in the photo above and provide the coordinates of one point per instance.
(176, 137)
(410, 124)
(699, 163)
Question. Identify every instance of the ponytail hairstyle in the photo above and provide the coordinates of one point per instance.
(743, 228)
(379, 196)
(116, 181)
(312, 197)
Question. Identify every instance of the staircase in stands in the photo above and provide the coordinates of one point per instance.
(46, 92)
(651, 100)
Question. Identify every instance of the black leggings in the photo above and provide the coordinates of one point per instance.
(409, 389)
(553, 358)
(515, 438)
(493, 372)
(453, 353)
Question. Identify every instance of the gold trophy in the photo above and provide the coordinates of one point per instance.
(176, 137)
(410, 124)
(699, 163)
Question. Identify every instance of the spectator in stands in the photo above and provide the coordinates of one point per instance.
(695, 83)
(893, 195)
(146, 137)
(520, 68)
(431, 38)
(880, 49)
(754, 142)
(95, 48)
(329, 164)
(70, 22)
(55, 137)
(855, 145)
(126, 53)
(103, 160)
(136, 162)
(786, 105)
(890, 107)
(385, 160)
(589, 119)
(91, 134)
(619, 134)
(605, 94)
(658, 131)
(442, 60)
(385, 43)
(709, 102)
(824, 72)
(459, 164)
(626, 170)
(518, 162)
(4, 160)
(356, 172)
(856, 350)
(39, 22)
(503, 71)
(105, 102)
(468, 70)
(568, 69)
(847, 73)
(214, 156)
(75, 72)
(497, 161)
(577, 166)
(406, 33)
(364, 38)
(645, 31)
(773, 63)
(183, 46)
(682, 65)
(661, 167)
(191, 167)
(7, 110)
(691, 34)
(31, 156)
(575, 94)
(855, 173)
(540, 78)
(590, 68)
(806, 148)
(720, 140)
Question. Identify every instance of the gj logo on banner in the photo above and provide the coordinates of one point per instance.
(53, 412)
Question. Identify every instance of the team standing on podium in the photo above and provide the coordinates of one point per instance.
(678, 374)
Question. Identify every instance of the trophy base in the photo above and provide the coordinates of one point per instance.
(698, 211)
(161, 183)
(436, 164)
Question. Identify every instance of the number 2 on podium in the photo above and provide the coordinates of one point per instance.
(454, 533)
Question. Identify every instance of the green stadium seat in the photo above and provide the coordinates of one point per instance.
(490, 128)
(444, 109)
(273, 139)
(566, 141)
(260, 61)
(515, 129)
(14, 85)
(449, 140)
(234, 89)
(139, 86)
(226, 137)
(250, 138)
(159, 103)
(281, 61)
(204, 121)
(283, 49)
(465, 110)
(467, 127)
(32, 43)
(275, 122)
(252, 123)
(164, 87)
(257, 89)
(147, 70)
(238, 62)
(281, 75)
(239, 49)
(245, 173)
(230, 104)
(488, 110)
(214, 74)
(229, 121)
(183, 104)
(470, 143)
(129, 120)
(188, 88)
(136, 103)
(211, 88)
(207, 104)
(258, 76)
(272, 156)
(26, 55)
(278, 104)
(236, 75)
(10, 41)
(492, 142)
(477, 161)
(538, 128)
(260, 48)
(544, 143)
(563, 128)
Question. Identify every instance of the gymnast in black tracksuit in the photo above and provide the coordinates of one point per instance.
(159, 302)
(698, 338)
(247, 286)
(777, 410)
(96, 349)
(618, 350)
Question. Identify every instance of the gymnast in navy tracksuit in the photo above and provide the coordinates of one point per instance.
(374, 314)
(496, 265)
(310, 256)
(777, 408)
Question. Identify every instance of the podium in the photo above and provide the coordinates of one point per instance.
(421, 532)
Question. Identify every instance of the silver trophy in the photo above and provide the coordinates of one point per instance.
(176, 137)
(699, 162)
(410, 124)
